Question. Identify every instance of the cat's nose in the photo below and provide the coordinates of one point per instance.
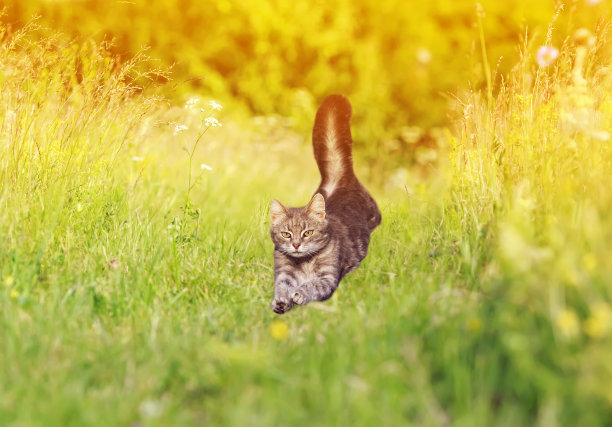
(296, 245)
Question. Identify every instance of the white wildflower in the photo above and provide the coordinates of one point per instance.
(191, 102)
(600, 135)
(138, 159)
(211, 121)
(150, 409)
(205, 167)
(215, 106)
(11, 116)
(179, 128)
(546, 55)
(423, 56)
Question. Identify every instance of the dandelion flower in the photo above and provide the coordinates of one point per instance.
(546, 55)
(212, 122)
(205, 167)
(599, 323)
(14, 294)
(179, 128)
(192, 102)
(567, 324)
(215, 106)
(8, 280)
(137, 159)
(279, 330)
(589, 261)
(474, 324)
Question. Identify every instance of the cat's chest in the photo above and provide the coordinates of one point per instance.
(307, 270)
(321, 264)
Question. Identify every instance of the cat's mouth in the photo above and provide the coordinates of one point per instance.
(298, 253)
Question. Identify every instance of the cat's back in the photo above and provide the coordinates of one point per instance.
(352, 214)
(353, 207)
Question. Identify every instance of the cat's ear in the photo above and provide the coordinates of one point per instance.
(277, 210)
(317, 206)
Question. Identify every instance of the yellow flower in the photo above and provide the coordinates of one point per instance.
(474, 324)
(279, 330)
(569, 274)
(8, 280)
(589, 261)
(567, 323)
(14, 294)
(599, 323)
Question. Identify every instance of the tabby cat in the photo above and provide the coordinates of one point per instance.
(317, 245)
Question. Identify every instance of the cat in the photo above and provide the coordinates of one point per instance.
(317, 245)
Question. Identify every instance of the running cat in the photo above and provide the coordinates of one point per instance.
(317, 245)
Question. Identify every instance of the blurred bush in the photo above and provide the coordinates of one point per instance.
(530, 179)
(396, 60)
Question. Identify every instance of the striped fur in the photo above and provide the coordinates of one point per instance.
(332, 144)
(317, 245)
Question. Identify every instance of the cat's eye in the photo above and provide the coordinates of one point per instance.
(285, 234)
(308, 233)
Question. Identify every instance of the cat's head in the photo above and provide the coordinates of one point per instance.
(299, 232)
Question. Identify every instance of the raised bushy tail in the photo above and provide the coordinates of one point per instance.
(333, 144)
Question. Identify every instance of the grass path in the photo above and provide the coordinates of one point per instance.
(180, 332)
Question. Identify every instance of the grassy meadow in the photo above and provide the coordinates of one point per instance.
(135, 262)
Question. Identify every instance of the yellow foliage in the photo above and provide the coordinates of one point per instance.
(396, 60)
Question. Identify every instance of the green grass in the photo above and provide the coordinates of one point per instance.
(484, 299)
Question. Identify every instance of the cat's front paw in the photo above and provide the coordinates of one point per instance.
(300, 297)
(281, 305)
